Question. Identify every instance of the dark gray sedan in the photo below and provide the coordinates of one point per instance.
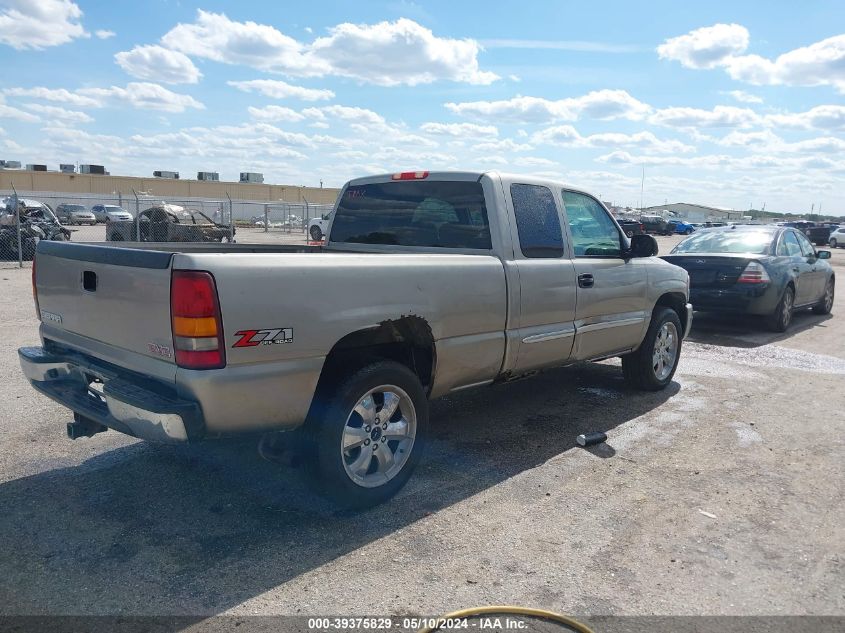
(764, 270)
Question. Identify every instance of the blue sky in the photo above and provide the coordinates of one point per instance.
(725, 103)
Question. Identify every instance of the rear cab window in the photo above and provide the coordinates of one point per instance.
(430, 213)
(537, 221)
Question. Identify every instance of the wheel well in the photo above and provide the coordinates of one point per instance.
(407, 340)
(677, 302)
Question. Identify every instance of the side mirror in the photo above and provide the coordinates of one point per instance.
(823, 254)
(643, 246)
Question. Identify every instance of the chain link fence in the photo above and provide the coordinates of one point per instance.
(28, 217)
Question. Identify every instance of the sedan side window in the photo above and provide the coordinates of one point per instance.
(806, 248)
(537, 221)
(789, 245)
(594, 234)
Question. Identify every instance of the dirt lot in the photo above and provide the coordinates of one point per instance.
(721, 495)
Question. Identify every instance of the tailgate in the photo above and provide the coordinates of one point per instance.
(116, 296)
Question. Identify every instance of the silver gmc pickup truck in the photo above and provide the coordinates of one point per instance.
(428, 283)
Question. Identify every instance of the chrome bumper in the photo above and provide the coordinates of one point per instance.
(688, 324)
(125, 405)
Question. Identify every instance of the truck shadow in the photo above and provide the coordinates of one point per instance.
(731, 330)
(148, 529)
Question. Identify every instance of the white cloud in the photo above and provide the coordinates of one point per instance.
(8, 112)
(58, 95)
(143, 96)
(820, 64)
(361, 116)
(758, 140)
(104, 34)
(719, 116)
(599, 104)
(57, 113)
(275, 113)
(568, 136)
(386, 53)
(459, 130)
(156, 63)
(705, 47)
(823, 117)
(722, 45)
(282, 90)
(745, 97)
(39, 24)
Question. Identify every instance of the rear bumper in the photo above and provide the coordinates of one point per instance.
(144, 409)
(752, 299)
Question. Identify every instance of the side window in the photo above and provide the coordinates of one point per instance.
(806, 248)
(594, 234)
(537, 221)
(789, 245)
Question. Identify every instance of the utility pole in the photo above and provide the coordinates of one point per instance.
(642, 187)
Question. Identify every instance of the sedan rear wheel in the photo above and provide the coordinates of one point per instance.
(316, 233)
(781, 318)
(825, 304)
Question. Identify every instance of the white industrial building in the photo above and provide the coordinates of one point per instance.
(693, 212)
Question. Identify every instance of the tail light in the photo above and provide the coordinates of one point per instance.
(196, 322)
(754, 273)
(410, 175)
(35, 291)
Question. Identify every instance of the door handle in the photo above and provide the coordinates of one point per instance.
(585, 280)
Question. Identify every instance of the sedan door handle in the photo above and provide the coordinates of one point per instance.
(585, 280)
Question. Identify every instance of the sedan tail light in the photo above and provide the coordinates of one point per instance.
(754, 273)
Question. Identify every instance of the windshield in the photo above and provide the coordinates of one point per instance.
(757, 242)
(111, 209)
(417, 213)
(74, 207)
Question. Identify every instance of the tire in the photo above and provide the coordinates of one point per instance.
(360, 475)
(646, 369)
(316, 233)
(688, 232)
(833, 243)
(781, 318)
(825, 304)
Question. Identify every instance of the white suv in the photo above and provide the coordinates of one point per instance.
(837, 238)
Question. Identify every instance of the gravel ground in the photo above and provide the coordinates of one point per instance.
(722, 495)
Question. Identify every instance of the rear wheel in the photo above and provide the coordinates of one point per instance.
(653, 365)
(365, 437)
(833, 242)
(825, 304)
(316, 233)
(781, 318)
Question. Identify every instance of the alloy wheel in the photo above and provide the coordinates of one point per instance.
(379, 436)
(665, 352)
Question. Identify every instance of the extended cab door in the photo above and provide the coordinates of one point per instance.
(544, 329)
(612, 312)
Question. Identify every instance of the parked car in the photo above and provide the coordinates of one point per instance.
(38, 222)
(169, 223)
(761, 270)
(110, 213)
(317, 227)
(429, 283)
(655, 224)
(681, 227)
(631, 227)
(819, 233)
(837, 237)
(75, 214)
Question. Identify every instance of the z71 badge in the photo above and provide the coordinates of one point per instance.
(271, 336)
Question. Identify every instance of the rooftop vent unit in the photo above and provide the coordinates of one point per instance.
(208, 175)
(10, 164)
(33, 167)
(173, 175)
(67, 168)
(251, 176)
(93, 169)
